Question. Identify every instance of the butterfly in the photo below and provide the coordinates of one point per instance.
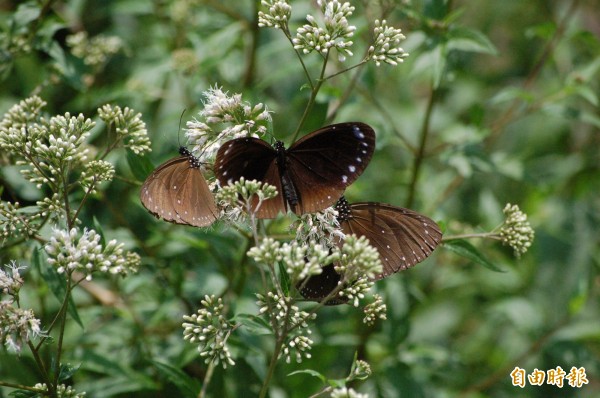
(309, 176)
(402, 237)
(177, 192)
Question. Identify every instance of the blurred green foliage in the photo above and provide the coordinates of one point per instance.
(507, 92)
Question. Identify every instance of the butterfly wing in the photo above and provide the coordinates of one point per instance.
(252, 159)
(323, 163)
(193, 201)
(178, 193)
(317, 287)
(403, 237)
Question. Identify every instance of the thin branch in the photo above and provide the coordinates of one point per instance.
(418, 161)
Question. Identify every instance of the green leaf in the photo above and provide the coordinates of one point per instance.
(512, 93)
(284, 279)
(254, 324)
(467, 250)
(70, 67)
(99, 230)
(140, 166)
(67, 371)
(465, 39)
(337, 383)
(309, 372)
(23, 394)
(26, 13)
(185, 384)
(56, 282)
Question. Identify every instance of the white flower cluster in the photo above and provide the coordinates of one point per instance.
(19, 116)
(322, 227)
(278, 15)
(95, 51)
(129, 127)
(51, 206)
(95, 172)
(68, 253)
(210, 330)
(223, 118)
(17, 326)
(359, 263)
(361, 370)
(62, 391)
(10, 279)
(300, 260)
(375, 310)
(516, 230)
(345, 392)
(283, 315)
(332, 34)
(14, 223)
(238, 199)
(386, 45)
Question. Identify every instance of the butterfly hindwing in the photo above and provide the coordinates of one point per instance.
(317, 287)
(403, 237)
(177, 192)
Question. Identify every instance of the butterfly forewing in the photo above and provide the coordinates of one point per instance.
(403, 237)
(328, 160)
(177, 192)
(252, 159)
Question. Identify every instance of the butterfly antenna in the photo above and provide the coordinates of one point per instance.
(179, 130)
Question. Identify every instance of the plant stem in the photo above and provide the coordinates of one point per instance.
(206, 381)
(313, 96)
(63, 322)
(421, 150)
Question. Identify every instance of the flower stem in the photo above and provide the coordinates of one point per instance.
(421, 150)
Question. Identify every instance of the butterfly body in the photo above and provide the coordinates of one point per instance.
(287, 186)
(177, 192)
(310, 176)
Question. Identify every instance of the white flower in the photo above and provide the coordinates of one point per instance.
(223, 118)
(17, 326)
(10, 279)
(385, 47)
(322, 227)
(128, 125)
(345, 392)
(67, 252)
(332, 33)
(516, 230)
(209, 329)
(278, 15)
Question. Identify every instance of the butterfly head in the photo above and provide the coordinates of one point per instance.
(279, 147)
(193, 161)
(343, 209)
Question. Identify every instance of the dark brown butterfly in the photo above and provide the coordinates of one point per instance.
(177, 192)
(310, 176)
(402, 237)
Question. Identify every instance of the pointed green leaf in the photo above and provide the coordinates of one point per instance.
(140, 166)
(467, 250)
(187, 386)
